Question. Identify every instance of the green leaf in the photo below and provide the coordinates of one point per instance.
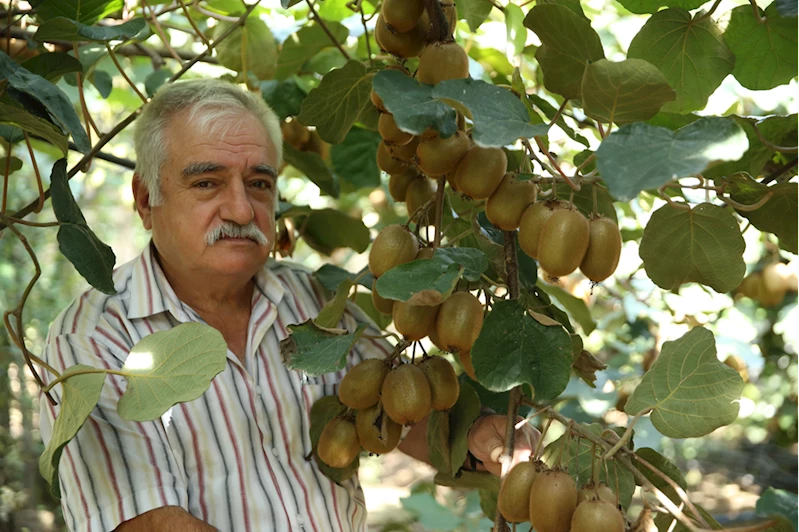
(322, 411)
(331, 277)
(364, 300)
(575, 306)
(12, 163)
(52, 65)
(499, 116)
(473, 260)
(550, 111)
(420, 282)
(765, 52)
(155, 79)
(438, 441)
(354, 159)
(689, 52)
(474, 12)
(778, 215)
(666, 522)
(579, 462)
(621, 92)
(569, 43)
(170, 367)
(331, 313)
(641, 7)
(79, 396)
(251, 48)
(303, 45)
(513, 348)
(778, 503)
(690, 391)
(102, 82)
(584, 200)
(703, 245)
(336, 103)
(638, 156)
(85, 11)
(65, 29)
(313, 166)
(461, 417)
(326, 230)
(51, 97)
(787, 8)
(315, 350)
(574, 5)
(13, 115)
(284, 97)
(468, 480)
(430, 513)
(516, 33)
(664, 466)
(412, 104)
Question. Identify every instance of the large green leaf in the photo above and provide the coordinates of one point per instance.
(354, 160)
(690, 52)
(331, 313)
(315, 350)
(170, 367)
(516, 33)
(765, 52)
(664, 466)
(52, 65)
(337, 102)
(513, 348)
(778, 503)
(584, 199)
(690, 391)
(778, 215)
(461, 417)
(412, 104)
(14, 115)
(703, 245)
(79, 396)
(575, 306)
(420, 282)
(303, 45)
(326, 230)
(64, 29)
(51, 97)
(652, 6)
(438, 441)
(322, 411)
(251, 48)
(787, 8)
(473, 261)
(314, 167)
(284, 97)
(621, 92)
(331, 277)
(569, 43)
(13, 163)
(499, 117)
(638, 156)
(85, 11)
(474, 12)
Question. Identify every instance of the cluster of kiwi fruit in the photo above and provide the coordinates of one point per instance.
(769, 285)
(550, 500)
(301, 138)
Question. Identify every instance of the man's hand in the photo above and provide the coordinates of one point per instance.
(486, 441)
(165, 519)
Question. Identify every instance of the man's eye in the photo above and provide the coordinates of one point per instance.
(203, 184)
(263, 184)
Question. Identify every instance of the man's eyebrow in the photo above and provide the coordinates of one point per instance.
(200, 168)
(264, 169)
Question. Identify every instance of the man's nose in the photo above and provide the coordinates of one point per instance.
(237, 206)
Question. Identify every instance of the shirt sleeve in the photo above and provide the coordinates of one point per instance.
(113, 469)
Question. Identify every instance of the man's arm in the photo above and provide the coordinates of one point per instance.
(165, 519)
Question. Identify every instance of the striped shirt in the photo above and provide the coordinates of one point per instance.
(236, 456)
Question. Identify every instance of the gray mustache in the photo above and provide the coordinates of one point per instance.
(234, 230)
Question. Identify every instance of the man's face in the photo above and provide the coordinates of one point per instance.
(207, 180)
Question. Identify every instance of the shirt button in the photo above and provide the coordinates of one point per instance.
(300, 520)
(275, 451)
(259, 390)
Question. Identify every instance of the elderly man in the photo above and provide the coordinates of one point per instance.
(234, 459)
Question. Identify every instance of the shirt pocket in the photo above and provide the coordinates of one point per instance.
(314, 388)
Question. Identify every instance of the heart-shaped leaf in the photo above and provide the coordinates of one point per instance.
(64, 29)
(317, 351)
(421, 282)
(412, 104)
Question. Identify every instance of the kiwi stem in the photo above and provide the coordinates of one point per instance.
(500, 524)
(575, 187)
(442, 182)
(366, 34)
(593, 463)
(322, 24)
(438, 19)
(559, 112)
(594, 212)
(539, 447)
(627, 434)
(746, 208)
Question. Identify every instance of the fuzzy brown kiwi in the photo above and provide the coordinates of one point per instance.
(425, 253)
(406, 152)
(394, 245)
(317, 145)
(506, 205)
(514, 495)
(480, 171)
(295, 134)
(563, 242)
(368, 424)
(739, 365)
(376, 99)
(441, 61)
(418, 193)
(531, 222)
(597, 516)
(459, 321)
(769, 297)
(388, 129)
(382, 305)
(387, 162)
(604, 249)
(465, 358)
(406, 394)
(360, 387)
(444, 388)
(398, 183)
(338, 444)
(414, 321)
(403, 15)
(599, 491)
(408, 44)
(750, 286)
(437, 156)
(553, 499)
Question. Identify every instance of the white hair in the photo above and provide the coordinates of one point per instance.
(208, 101)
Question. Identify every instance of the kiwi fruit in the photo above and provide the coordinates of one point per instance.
(317, 145)
(387, 162)
(295, 134)
(465, 358)
(509, 201)
(775, 277)
(405, 152)
(388, 129)
(398, 183)
(408, 44)
(604, 249)
(441, 61)
(645, 522)
(433, 337)
(563, 242)
(444, 388)
(425, 253)
(383, 305)
(360, 387)
(414, 321)
(437, 156)
(480, 171)
(531, 222)
(394, 245)
(769, 295)
(597, 516)
(599, 491)
(750, 286)
(514, 495)
(376, 99)
(553, 499)
(406, 394)
(369, 422)
(459, 321)
(338, 445)
(738, 364)
(419, 192)
(402, 15)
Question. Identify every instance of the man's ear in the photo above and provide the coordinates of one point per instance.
(141, 197)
